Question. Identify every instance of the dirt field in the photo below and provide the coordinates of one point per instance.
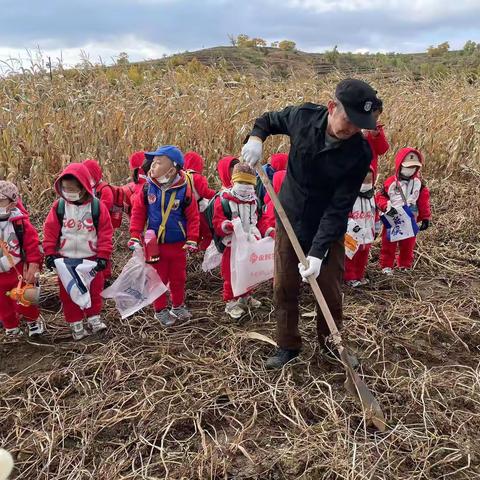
(196, 402)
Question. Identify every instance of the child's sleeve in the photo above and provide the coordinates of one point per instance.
(219, 217)
(31, 243)
(193, 220)
(51, 231)
(263, 225)
(104, 234)
(381, 199)
(107, 197)
(138, 218)
(379, 143)
(423, 205)
(202, 188)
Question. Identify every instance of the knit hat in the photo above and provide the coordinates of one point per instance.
(8, 191)
(170, 151)
(136, 160)
(243, 173)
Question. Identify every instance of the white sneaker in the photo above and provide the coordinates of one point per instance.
(78, 331)
(364, 281)
(13, 332)
(234, 309)
(181, 313)
(388, 271)
(35, 328)
(165, 318)
(96, 324)
(354, 283)
(249, 301)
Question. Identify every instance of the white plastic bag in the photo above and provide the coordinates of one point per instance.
(76, 275)
(251, 261)
(137, 286)
(212, 258)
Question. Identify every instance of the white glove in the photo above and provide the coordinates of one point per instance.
(252, 151)
(313, 269)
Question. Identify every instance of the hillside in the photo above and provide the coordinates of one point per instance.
(281, 63)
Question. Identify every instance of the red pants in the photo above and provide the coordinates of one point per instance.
(389, 250)
(72, 312)
(355, 268)
(172, 269)
(205, 233)
(10, 310)
(227, 276)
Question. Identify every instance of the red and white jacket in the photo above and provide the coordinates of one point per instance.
(31, 243)
(77, 237)
(415, 192)
(252, 225)
(194, 165)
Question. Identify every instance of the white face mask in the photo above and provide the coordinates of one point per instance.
(163, 180)
(243, 191)
(71, 197)
(366, 187)
(408, 171)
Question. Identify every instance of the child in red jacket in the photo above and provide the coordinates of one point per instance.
(19, 256)
(225, 169)
(78, 226)
(279, 162)
(194, 164)
(139, 177)
(405, 187)
(376, 139)
(167, 207)
(361, 227)
(238, 201)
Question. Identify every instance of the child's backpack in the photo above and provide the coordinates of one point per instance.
(120, 202)
(208, 212)
(95, 209)
(19, 232)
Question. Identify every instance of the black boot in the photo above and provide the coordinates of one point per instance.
(281, 357)
(331, 353)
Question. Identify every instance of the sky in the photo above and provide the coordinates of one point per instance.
(148, 29)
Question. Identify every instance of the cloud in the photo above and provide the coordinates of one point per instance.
(149, 28)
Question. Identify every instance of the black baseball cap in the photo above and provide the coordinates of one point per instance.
(359, 100)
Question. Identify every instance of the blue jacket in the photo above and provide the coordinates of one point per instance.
(175, 227)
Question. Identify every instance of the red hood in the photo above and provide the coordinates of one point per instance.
(402, 153)
(223, 168)
(193, 161)
(80, 172)
(136, 160)
(94, 169)
(278, 161)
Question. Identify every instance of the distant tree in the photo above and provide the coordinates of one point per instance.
(287, 45)
(259, 42)
(332, 56)
(470, 47)
(122, 59)
(439, 50)
(243, 40)
(232, 40)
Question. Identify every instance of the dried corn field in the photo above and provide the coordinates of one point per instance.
(195, 401)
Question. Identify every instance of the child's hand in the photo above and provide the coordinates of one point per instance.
(133, 243)
(50, 261)
(101, 264)
(191, 246)
(227, 226)
(270, 233)
(30, 273)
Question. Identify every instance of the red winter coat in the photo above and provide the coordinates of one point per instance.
(279, 161)
(247, 212)
(77, 237)
(416, 193)
(223, 168)
(31, 243)
(278, 178)
(379, 146)
(138, 220)
(102, 189)
(195, 163)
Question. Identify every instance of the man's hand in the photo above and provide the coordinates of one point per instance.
(424, 225)
(101, 265)
(190, 246)
(30, 273)
(313, 269)
(50, 261)
(252, 151)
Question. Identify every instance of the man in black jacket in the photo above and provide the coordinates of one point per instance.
(328, 161)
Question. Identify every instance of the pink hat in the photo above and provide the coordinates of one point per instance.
(8, 191)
